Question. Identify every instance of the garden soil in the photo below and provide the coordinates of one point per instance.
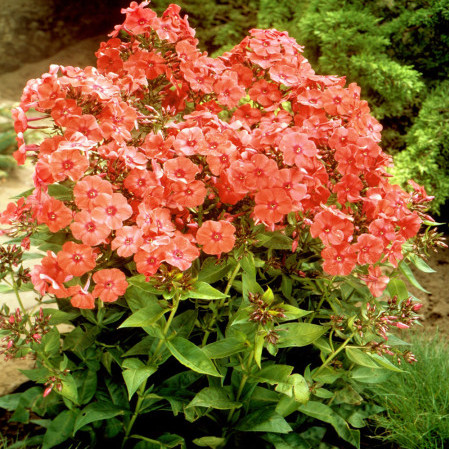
(436, 301)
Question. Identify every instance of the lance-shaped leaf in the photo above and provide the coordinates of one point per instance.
(264, 420)
(145, 317)
(192, 356)
(325, 413)
(298, 334)
(97, 411)
(214, 398)
(202, 290)
(135, 374)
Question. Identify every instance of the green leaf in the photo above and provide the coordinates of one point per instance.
(298, 334)
(135, 374)
(202, 290)
(224, 348)
(145, 317)
(273, 374)
(192, 356)
(396, 287)
(60, 192)
(295, 387)
(140, 282)
(248, 265)
(274, 240)
(10, 401)
(293, 313)
(361, 358)
(290, 441)
(97, 411)
(60, 429)
(385, 363)
(87, 382)
(408, 273)
(420, 264)
(58, 316)
(214, 397)
(212, 442)
(264, 420)
(325, 413)
(69, 389)
(369, 375)
(213, 270)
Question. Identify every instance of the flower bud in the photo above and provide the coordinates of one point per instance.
(47, 391)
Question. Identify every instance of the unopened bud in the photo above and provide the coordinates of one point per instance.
(47, 391)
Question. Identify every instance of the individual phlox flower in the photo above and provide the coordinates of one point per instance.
(331, 228)
(87, 125)
(272, 205)
(285, 74)
(190, 141)
(111, 210)
(369, 249)
(192, 194)
(147, 263)
(157, 221)
(76, 259)
(348, 189)
(54, 214)
(68, 164)
(228, 90)
(265, 93)
(216, 236)
(375, 281)
(339, 260)
(295, 146)
(180, 252)
(109, 284)
(181, 169)
(90, 231)
(383, 229)
(128, 240)
(87, 190)
(138, 181)
(261, 172)
(81, 298)
(48, 277)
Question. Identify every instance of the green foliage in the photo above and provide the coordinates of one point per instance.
(416, 402)
(7, 142)
(219, 24)
(426, 158)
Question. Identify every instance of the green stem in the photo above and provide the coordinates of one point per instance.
(242, 383)
(16, 291)
(220, 304)
(323, 298)
(152, 359)
(335, 353)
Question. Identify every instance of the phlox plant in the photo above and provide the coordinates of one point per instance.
(220, 239)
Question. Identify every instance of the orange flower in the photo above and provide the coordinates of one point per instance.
(87, 190)
(76, 259)
(81, 298)
(110, 284)
(88, 230)
(55, 215)
(216, 237)
(272, 205)
(112, 210)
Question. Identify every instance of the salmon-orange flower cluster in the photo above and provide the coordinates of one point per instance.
(252, 137)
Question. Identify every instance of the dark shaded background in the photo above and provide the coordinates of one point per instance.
(35, 29)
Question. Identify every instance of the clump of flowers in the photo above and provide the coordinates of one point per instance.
(164, 166)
